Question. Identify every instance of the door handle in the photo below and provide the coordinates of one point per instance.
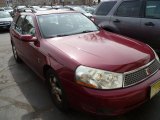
(149, 24)
(116, 21)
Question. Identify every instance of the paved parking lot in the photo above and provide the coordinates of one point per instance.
(23, 96)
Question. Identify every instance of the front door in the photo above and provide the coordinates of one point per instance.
(126, 18)
(16, 30)
(33, 53)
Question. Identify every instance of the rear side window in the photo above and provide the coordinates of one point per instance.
(129, 9)
(105, 8)
(153, 9)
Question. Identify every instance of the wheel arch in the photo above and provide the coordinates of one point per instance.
(11, 41)
(45, 69)
(65, 107)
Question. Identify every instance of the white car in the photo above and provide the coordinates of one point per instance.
(5, 20)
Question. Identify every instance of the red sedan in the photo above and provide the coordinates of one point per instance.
(86, 68)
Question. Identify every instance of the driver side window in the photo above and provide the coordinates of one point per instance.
(28, 26)
(19, 24)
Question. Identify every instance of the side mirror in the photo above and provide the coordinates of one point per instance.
(28, 38)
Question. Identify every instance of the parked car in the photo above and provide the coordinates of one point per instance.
(79, 9)
(47, 7)
(42, 9)
(2, 9)
(5, 20)
(85, 67)
(8, 9)
(18, 9)
(134, 18)
(88, 9)
(35, 7)
(57, 6)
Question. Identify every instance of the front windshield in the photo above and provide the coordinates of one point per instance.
(4, 15)
(8, 8)
(56, 25)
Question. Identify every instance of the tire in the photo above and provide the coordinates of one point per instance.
(56, 91)
(15, 54)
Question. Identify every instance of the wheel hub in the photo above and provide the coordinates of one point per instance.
(15, 52)
(55, 89)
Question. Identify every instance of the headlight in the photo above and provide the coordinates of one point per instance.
(98, 79)
(156, 56)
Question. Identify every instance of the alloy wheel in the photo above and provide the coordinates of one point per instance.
(15, 52)
(55, 89)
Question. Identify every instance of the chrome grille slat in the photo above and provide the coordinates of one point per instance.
(135, 77)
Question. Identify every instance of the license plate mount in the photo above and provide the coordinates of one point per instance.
(154, 89)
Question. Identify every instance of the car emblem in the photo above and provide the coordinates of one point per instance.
(148, 71)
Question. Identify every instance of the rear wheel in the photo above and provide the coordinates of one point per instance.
(15, 54)
(56, 91)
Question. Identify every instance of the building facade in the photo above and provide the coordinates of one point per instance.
(2, 3)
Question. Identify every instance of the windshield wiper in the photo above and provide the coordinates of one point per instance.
(53, 36)
(86, 31)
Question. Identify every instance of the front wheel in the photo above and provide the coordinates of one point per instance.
(56, 91)
(15, 54)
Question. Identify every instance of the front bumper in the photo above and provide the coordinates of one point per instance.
(5, 26)
(109, 102)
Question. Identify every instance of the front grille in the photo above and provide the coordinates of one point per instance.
(140, 75)
(1, 23)
(5, 23)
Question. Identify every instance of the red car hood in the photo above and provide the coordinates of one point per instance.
(103, 50)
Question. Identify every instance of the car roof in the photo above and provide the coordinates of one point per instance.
(45, 12)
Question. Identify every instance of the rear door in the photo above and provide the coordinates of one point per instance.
(151, 24)
(126, 19)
